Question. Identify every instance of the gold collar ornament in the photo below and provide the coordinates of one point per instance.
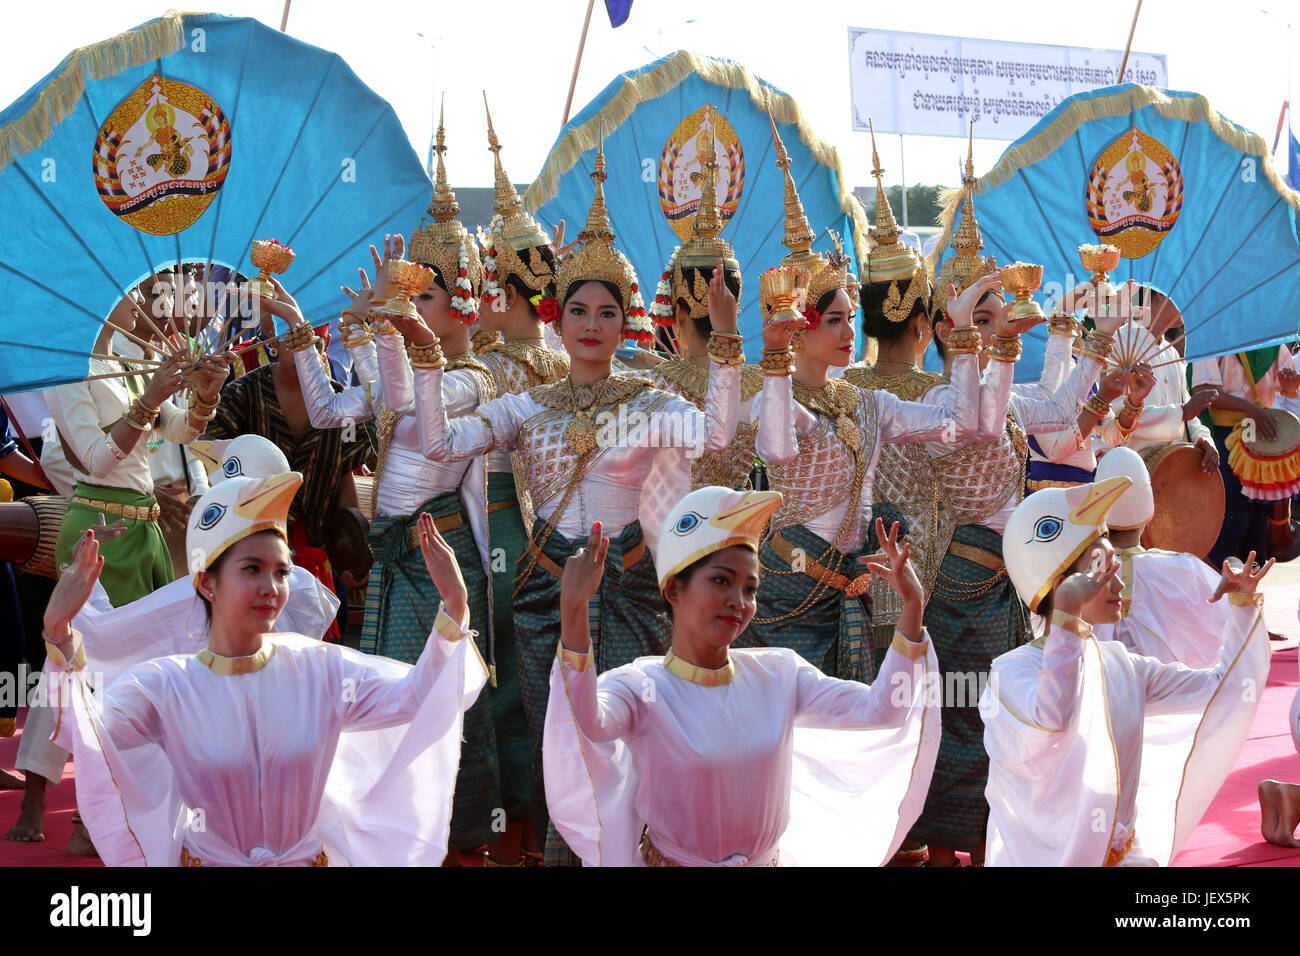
(514, 241)
(234, 666)
(838, 400)
(446, 246)
(893, 261)
(581, 434)
(596, 258)
(829, 271)
(703, 676)
(966, 265)
(702, 251)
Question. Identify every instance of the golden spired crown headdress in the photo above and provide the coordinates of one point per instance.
(597, 258)
(890, 260)
(701, 251)
(829, 271)
(514, 239)
(445, 245)
(966, 265)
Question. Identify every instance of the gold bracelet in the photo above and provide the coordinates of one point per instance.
(1005, 349)
(357, 341)
(1097, 405)
(777, 362)
(140, 416)
(299, 338)
(134, 424)
(357, 317)
(380, 324)
(965, 340)
(725, 348)
(1063, 324)
(426, 356)
(206, 416)
(1098, 345)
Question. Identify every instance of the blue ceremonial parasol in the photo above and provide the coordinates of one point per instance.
(651, 118)
(1191, 200)
(184, 140)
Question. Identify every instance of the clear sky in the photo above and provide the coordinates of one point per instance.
(521, 52)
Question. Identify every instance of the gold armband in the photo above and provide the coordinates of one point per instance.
(1004, 349)
(965, 340)
(777, 362)
(1098, 345)
(725, 348)
(379, 322)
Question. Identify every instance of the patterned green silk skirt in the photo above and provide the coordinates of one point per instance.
(508, 541)
(628, 619)
(401, 605)
(974, 615)
(833, 633)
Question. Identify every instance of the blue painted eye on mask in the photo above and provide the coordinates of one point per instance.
(687, 523)
(210, 516)
(232, 467)
(1048, 528)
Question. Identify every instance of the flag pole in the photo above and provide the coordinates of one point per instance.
(284, 17)
(1277, 137)
(573, 83)
(1127, 46)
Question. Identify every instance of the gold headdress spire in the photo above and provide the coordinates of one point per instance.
(708, 223)
(965, 265)
(597, 258)
(890, 260)
(445, 245)
(515, 238)
(828, 272)
(798, 236)
(443, 207)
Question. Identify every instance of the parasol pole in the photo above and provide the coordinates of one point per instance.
(1127, 46)
(1277, 137)
(284, 17)
(902, 178)
(573, 83)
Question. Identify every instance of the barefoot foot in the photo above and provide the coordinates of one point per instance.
(79, 843)
(1279, 805)
(29, 829)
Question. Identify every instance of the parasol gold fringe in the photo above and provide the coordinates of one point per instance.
(1190, 109)
(659, 81)
(99, 61)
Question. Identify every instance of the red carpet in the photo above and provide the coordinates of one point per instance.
(59, 804)
(1228, 836)
(1229, 833)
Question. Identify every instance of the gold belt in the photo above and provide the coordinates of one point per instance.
(652, 857)
(188, 860)
(1038, 484)
(971, 553)
(502, 505)
(1114, 856)
(543, 560)
(137, 512)
(817, 571)
(450, 523)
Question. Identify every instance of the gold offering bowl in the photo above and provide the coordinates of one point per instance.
(1021, 279)
(1100, 264)
(270, 257)
(782, 287)
(407, 279)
